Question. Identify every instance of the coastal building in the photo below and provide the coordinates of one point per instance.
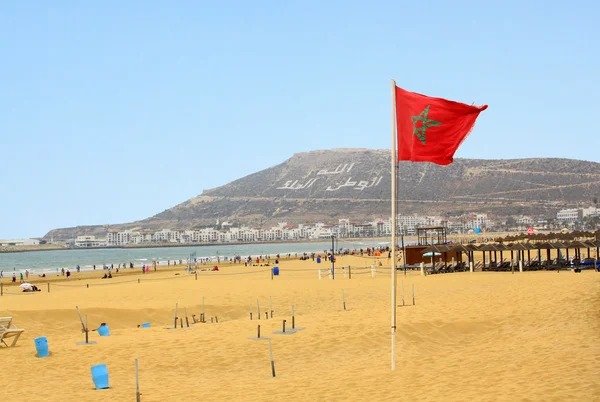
(89, 241)
(20, 242)
(569, 215)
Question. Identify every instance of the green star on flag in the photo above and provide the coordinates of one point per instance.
(425, 124)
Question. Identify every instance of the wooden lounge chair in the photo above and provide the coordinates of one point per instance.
(7, 332)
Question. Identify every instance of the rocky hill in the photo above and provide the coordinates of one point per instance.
(355, 183)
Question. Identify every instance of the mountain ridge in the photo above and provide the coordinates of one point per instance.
(326, 185)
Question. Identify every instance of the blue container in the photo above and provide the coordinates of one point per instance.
(103, 330)
(318, 260)
(41, 345)
(275, 270)
(100, 376)
(146, 325)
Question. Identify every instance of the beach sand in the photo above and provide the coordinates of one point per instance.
(471, 336)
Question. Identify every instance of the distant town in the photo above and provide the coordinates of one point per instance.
(226, 232)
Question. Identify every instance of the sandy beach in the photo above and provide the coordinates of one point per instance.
(471, 336)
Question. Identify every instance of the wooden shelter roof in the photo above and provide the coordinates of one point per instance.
(436, 248)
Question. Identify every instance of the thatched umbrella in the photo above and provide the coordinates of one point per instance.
(520, 249)
(461, 248)
(487, 247)
(544, 246)
(578, 245)
(500, 247)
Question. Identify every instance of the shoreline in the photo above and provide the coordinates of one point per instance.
(23, 249)
(51, 247)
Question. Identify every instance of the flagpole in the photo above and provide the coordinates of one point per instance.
(394, 218)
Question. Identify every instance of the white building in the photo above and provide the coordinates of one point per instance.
(525, 220)
(590, 212)
(569, 215)
(89, 241)
(20, 242)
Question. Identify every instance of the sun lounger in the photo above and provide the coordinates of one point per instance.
(7, 332)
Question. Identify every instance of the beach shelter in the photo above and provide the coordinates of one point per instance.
(437, 249)
(468, 249)
(489, 248)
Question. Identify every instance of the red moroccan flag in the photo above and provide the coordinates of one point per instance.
(431, 129)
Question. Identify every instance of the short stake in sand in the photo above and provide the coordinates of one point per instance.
(258, 309)
(85, 329)
(413, 294)
(251, 312)
(258, 337)
(202, 319)
(403, 293)
(187, 322)
(175, 319)
(272, 361)
(271, 305)
(137, 383)
(289, 331)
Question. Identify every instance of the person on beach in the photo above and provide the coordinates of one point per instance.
(21, 277)
(14, 278)
(68, 275)
(2, 274)
(26, 274)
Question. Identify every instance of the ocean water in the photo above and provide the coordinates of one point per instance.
(38, 262)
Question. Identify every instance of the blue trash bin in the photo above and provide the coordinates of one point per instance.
(41, 345)
(275, 270)
(100, 376)
(318, 260)
(103, 330)
(146, 325)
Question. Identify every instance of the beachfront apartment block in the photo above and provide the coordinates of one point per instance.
(569, 215)
(345, 228)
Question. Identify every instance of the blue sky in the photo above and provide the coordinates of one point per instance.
(116, 111)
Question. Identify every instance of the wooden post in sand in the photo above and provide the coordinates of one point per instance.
(258, 336)
(349, 272)
(137, 383)
(175, 319)
(251, 312)
(413, 293)
(258, 309)
(1, 289)
(403, 293)
(271, 273)
(203, 316)
(272, 361)
(48, 287)
(271, 305)
(343, 300)
(187, 322)
(293, 319)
